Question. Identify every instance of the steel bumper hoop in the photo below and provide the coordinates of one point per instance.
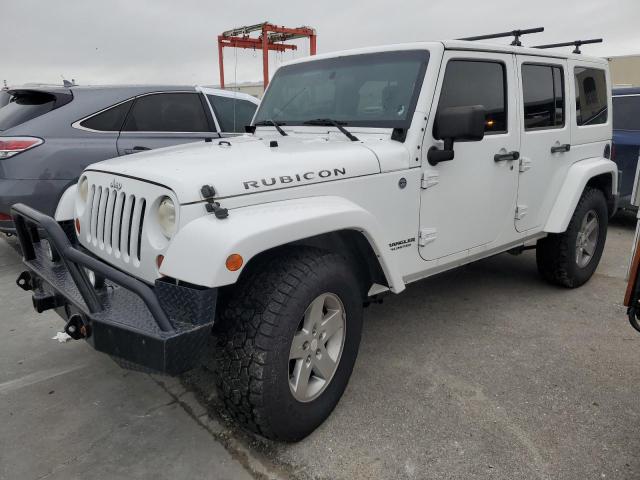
(162, 328)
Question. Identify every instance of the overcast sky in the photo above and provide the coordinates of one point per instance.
(163, 41)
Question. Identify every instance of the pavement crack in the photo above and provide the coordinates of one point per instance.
(252, 465)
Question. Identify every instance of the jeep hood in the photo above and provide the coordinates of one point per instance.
(247, 164)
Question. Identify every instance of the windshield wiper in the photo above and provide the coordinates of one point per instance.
(274, 123)
(330, 122)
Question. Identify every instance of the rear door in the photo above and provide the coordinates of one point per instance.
(163, 119)
(545, 137)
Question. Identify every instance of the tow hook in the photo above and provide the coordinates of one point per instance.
(24, 281)
(77, 327)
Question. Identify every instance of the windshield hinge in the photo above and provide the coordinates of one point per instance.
(429, 180)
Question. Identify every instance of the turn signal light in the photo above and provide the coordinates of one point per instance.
(234, 262)
(10, 146)
(159, 260)
(77, 223)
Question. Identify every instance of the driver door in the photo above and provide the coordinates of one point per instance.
(468, 203)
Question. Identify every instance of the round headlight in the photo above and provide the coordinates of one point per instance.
(167, 216)
(83, 189)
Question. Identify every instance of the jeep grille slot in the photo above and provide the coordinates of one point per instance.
(116, 222)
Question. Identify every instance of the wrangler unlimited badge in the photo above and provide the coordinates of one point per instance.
(295, 178)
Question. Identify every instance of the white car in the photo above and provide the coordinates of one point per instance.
(367, 170)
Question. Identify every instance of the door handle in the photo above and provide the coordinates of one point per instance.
(561, 148)
(137, 149)
(501, 157)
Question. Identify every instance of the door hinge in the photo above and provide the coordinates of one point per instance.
(525, 164)
(427, 235)
(429, 180)
(521, 211)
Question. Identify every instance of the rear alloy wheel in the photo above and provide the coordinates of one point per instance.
(287, 338)
(570, 258)
(587, 239)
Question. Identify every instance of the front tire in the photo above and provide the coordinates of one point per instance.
(570, 258)
(286, 342)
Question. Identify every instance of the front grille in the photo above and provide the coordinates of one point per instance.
(116, 220)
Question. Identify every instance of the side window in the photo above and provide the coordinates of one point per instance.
(543, 94)
(471, 82)
(233, 114)
(626, 112)
(110, 120)
(167, 112)
(591, 96)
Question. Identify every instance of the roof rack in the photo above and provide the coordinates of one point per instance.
(516, 34)
(576, 43)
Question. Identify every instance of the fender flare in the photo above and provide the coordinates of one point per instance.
(66, 204)
(198, 252)
(574, 184)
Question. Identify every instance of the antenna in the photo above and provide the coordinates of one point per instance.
(516, 34)
(576, 43)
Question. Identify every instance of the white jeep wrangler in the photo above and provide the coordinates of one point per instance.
(364, 171)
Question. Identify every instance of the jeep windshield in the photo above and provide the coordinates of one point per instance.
(367, 90)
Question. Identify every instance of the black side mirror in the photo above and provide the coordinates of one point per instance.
(455, 124)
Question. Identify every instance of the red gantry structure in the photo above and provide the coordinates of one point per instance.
(272, 37)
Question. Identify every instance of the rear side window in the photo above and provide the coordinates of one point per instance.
(543, 93)
(167, 112)
(110, 120)
(24, 107)
(626, 112)
(470, 82)
(591, 96)
(233, 114)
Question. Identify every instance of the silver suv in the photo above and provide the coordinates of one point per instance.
(48, 135)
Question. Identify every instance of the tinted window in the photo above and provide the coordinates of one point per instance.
(24, 107)
(543, 96)
(373, 90)
(591, 96)
(232, 114)
(110, 120)
(468, 82)
(626, 113)
(167, 112)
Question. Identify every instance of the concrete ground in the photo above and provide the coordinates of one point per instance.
(483, 372)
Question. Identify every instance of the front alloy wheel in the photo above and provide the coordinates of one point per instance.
(317, 347)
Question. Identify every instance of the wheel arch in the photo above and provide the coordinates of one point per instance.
(350, 243)
(600, 173)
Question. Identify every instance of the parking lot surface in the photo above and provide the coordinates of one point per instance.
(482, 372)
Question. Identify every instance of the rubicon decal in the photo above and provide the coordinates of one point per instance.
(402, 243)
(294, 178)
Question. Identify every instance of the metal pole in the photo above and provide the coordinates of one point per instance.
(312, 44)
(265, 56)
(221, 62)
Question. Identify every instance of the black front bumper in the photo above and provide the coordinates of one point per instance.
(162, 328)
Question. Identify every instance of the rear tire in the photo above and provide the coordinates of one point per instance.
(268, 335)
(570, 258)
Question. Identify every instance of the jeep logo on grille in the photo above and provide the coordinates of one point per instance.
(115, 184)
